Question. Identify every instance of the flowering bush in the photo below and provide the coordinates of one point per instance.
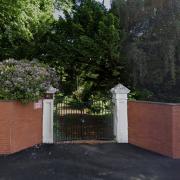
(25, 81)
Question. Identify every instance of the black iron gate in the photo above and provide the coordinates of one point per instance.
(90, 120)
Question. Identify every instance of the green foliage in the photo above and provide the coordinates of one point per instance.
(25, 81)
(152, 45)
(83, 92)
(137, 43)
(83, 46)
(64, 5)
(140, 95)
(21, 22)
(87, 45)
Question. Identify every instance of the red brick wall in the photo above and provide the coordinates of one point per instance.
(155, 126)
(176, 131)
(20, 126)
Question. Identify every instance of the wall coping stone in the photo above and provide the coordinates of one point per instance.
(152, 102)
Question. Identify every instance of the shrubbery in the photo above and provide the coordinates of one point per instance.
(25, 81)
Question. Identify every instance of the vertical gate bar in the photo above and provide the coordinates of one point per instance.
(58, 116)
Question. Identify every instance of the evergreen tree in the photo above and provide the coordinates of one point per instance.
(152, 45)
(86, 45)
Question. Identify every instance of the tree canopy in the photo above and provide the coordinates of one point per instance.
(22, 21)
(86, 45)
(152, 45)
(136, 42)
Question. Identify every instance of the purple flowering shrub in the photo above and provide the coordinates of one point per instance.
(25, 81)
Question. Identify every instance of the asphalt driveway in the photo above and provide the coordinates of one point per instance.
(88, 162)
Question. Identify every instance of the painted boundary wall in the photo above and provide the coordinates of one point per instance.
(155, 127)
(20, 126)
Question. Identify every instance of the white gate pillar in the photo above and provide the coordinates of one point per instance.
(48, 108)
(119, 99)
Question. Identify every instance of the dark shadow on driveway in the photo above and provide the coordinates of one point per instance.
(88, 162)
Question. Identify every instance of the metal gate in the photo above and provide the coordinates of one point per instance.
(90, 120)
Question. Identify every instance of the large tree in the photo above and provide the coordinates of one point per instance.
(86, 45)
(21, 22)
(152, 45)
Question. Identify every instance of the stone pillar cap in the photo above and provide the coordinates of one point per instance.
(52, 90)
(120, 89)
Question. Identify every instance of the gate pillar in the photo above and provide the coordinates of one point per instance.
(48, 106)
(120, 116)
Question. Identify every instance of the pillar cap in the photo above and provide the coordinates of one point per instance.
(120, 89)
(51, 90)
